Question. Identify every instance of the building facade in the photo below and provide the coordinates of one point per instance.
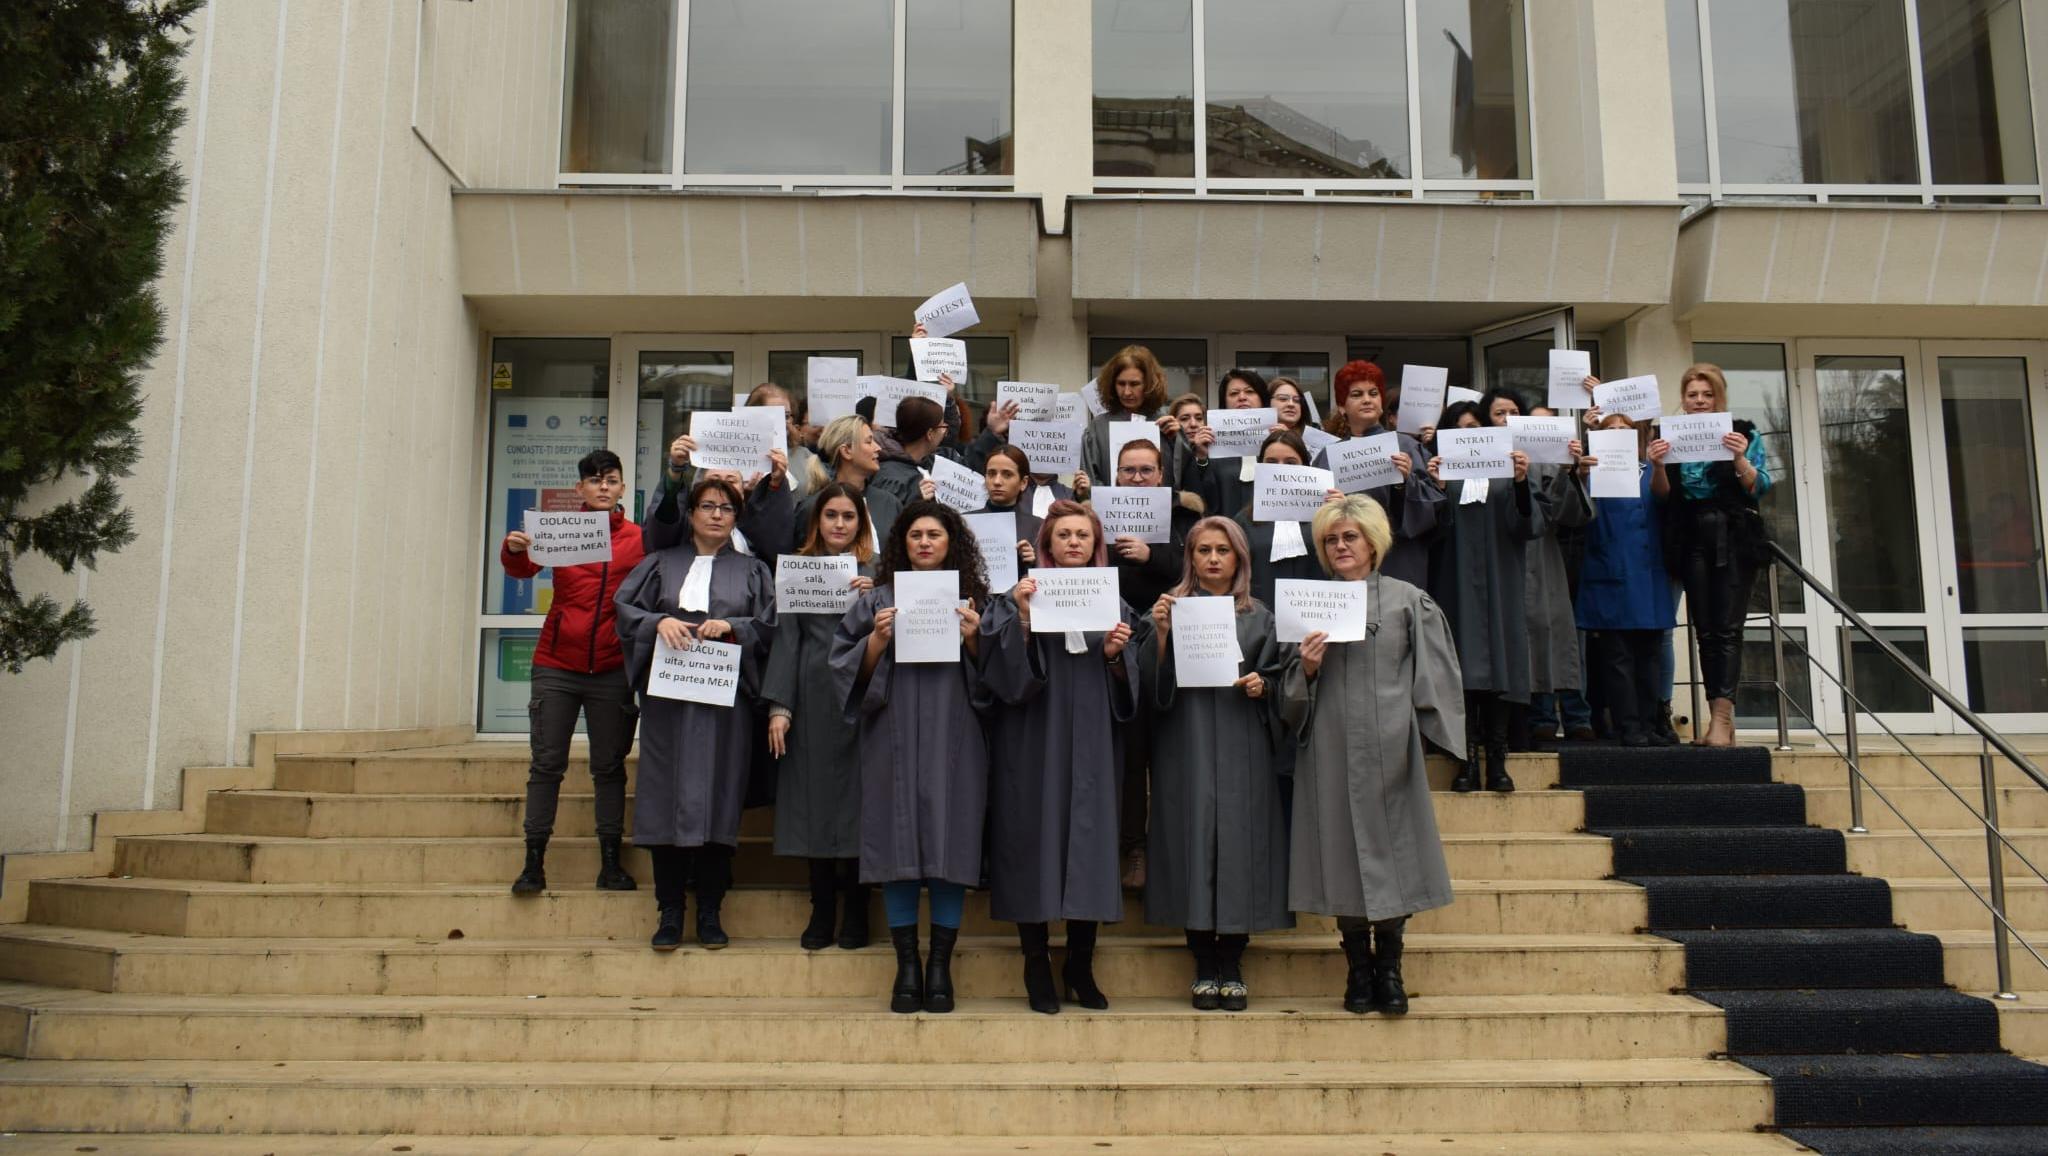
(434, 248)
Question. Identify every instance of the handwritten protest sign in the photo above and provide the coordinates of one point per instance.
(1304, 606)
(1074, 598)
(1205, 649)
(701, 672)
(1144, 512)
(569, 537)
(814, 585)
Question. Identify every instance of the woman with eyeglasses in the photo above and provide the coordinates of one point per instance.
(694, 757)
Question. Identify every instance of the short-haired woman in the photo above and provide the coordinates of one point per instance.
(1414, 504)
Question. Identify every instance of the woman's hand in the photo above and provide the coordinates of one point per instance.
(778, 735)
(1254, 685)
(1000, 417)
(1312, 650)
(675, 632)
(1130, 549)
(1587, 463)
(1027, 554)
(1576, 448)
(517, 541)
(970, 622)
(1082, 484)
(714, 628)
(778, 469)
(946, 382)
(885, 625)
(1593, 417)
(862, 584)
(917, 329)
(679, 452)
(1521, 461)
(1428, 435)
(1021, 593)
(1202, 439)
(1590, 382)
(1113, 643)
(1736, 442)
(1162, 615)
(1169, 427)
(927, 489)
(1658, 449)
(1332, 495)
(1433, 464)
(1403, 464)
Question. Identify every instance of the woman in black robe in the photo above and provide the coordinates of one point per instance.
(694, 757)
(1007, 477)
(1278, 549)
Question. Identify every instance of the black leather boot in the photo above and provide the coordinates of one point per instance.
(908, 994)
(1036, 941)
(853, 916)
(1079, 970)
(713, 863)
(1497, 770)
(610, 875)
(668, 929)
(938, 970)
(817, 934)
(1387, 993)
(1494, 712)
(710, 932)
(1664, 732)
(1468, 772)
(1205, 993)
(1230, 971)
(1357, 971)
(534, 878)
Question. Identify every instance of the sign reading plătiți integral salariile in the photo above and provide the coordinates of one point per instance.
(569, 537)
(1143, 512)
(1303, 607)
(703, 672)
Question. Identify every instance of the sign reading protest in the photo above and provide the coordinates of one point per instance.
(1617, 474)
(888, 391)
(1475, 453)
(996, 534)
(927, 615)
(833, 388)
(1422, 397)
(948, 312)
(1569, 369)
(1205, 649)
(1240, 431)
(958, 486)
(1544, 439)
(702, 672)
(1035, 402)
(729, 441)
(1289, 493)
(1123, 433)
(1052, 447)
(569, 537)
(1304, 607)
(1365, 463)
(1696, 437)
(939, 355)
(1080, 598)
(1143, 512)
(1635, 398)
(814, 585)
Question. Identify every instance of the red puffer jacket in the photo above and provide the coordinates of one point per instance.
(581, 633)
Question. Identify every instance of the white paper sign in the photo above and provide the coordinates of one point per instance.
(958, 486)
(1053, 447)
(1544, 439)
(773, 420)
(1304, 606)
(1696, 437)
(1618, 473)
(1365, 463)
(1635, 398)
(927, 615)
(1074, 598)
(996, 534)
(936, 355)
(1317, 440)
(704, 672)
(1239, 432)
(1475, 453)
(1458, 393)
(1144, 512)
(948, 312)
(729, 441)
(1422, 397)
(808, 585)
(832, 387)
(1205, 649)
(1123, 433)
(1091, 400)
(1035, 402)
(1289, 493)
(1569, 369)
(1071, 407)
(569, 537)
(888, 391)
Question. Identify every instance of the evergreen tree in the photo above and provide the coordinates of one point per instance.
(89, 108)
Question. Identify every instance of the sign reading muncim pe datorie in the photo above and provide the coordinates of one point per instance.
(1365, 463)
(1289, 493)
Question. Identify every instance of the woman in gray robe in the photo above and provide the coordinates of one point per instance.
(923, 755)
(1058, 755)
(1554, 663)
(815, 747)
(1216, 861)
(694, 757)
(1365, 843)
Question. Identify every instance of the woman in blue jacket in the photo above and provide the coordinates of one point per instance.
(1624, 601)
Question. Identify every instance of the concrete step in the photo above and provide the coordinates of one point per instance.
(1899, 852)
(62, 1024)
(435, 910)
(2022, 1022)
(984, 966)
(1929, 808)
(1810, 768)
(1073, 1097)
(1940, 904)
(1969, 963)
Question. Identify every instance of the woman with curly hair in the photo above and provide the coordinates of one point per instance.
(1131, 387)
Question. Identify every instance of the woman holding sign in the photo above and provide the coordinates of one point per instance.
(1225, 484)
(1625, 603)
(1007, 477)
(1130, 387)
(694, 755)
(1058, 757)
(1365, 843)
(1216, 860)
(817, 794)
(1413, 503)
(848, 452)
(1278, 549)
(923, 757)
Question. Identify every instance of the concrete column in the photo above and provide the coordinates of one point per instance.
(1601, 90)
(1053, 86)
(1052, 342)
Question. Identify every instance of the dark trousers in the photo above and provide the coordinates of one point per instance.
(1486, 722)
(1627, 664)
(606, 703)
(674, 867)
(1717, 597)
(1135, 806)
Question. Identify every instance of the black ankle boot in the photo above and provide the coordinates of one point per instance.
(1388, 995)
(817, 934)
(908, 993)
(1664, 730)
(1468, 773)
(1235, 996)
(853, 917)
(709, 932)
(534, 878)
(668, 929)
(938, 970)
(1497, 770)
(1035, 940)
(610, 875)
(1079, 970)
(1205, 993)
(1357, 971)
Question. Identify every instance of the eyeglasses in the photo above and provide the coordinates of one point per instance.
(718, 508)
(1137, 472)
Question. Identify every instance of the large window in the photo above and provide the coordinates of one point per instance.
(1914, 100)
(788, 94)
(1313, 96)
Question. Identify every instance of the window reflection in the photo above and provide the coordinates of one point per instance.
(618, 87)
(1316, 89)
(956, 87)
(1973, 59)
(2006, 669)
(1475, 112)
(790, 86)
(1688, 91)
(1759, 392)
(1144, 88)
(1867, 437)
(1989, 437)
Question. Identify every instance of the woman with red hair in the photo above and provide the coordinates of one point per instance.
(1414, 505)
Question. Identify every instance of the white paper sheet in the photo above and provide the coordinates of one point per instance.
(1052, 447)
(1289, 493)
(832, 388)
(936, 355)
(948, 311)
(1317, 440)
(1696, 437)
(1304, 606)
(1122, 433)
(729, 441)
(773, 419)
(1569, 369)
(1144, 512)
(1422, 397)
(1618, 474)
(1239, 432)
(820, 585)
(1204, 635)
(1071, 407)
(958, 486)
(996, 534)
(1635, 398)
(702, 672)
(1457, 393)
(1365, 463)
(927, 615)
(1074, 598)
(1544, 439)
(888, 391)
(1035, 401)
(568, 537)
(1475, 453)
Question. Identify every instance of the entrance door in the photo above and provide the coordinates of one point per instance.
(1311, 360)
(1516, 356)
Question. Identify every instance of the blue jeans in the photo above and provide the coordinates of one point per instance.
(1568, 706)
(899, 899)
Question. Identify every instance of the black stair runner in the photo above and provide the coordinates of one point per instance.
(1869, 1051)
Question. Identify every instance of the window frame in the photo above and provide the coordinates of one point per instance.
(895, 180)
(1926, 189)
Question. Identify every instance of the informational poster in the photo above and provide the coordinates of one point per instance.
(1205, 649)
(948, 311)
(1422, 397)
(535, 445)
(1035, 402)
(1635, 398)
(1365, 463)
(939, 356)
(927, 615)
(833, 389)
(1569, 369)
(569, 537)
(1239, 432)
(1304, 606)
(701, 672)
(1143, 512)
(1546, 440)
(996, 534)
(1618, 472)
(1080, 598)
(958, 486)
(1052, 447)
(1475, 453)
(1123, 433)
(1289, 493)
(814, 585)
(1696, 437)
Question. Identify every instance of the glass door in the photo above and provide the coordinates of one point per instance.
(1310, 360)
(660, 379)
(1516, 356)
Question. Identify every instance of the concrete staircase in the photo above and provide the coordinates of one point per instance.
(338, 957)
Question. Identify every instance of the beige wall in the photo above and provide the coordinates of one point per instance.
(325, 579)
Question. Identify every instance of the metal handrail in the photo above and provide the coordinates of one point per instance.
(1996, 844)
